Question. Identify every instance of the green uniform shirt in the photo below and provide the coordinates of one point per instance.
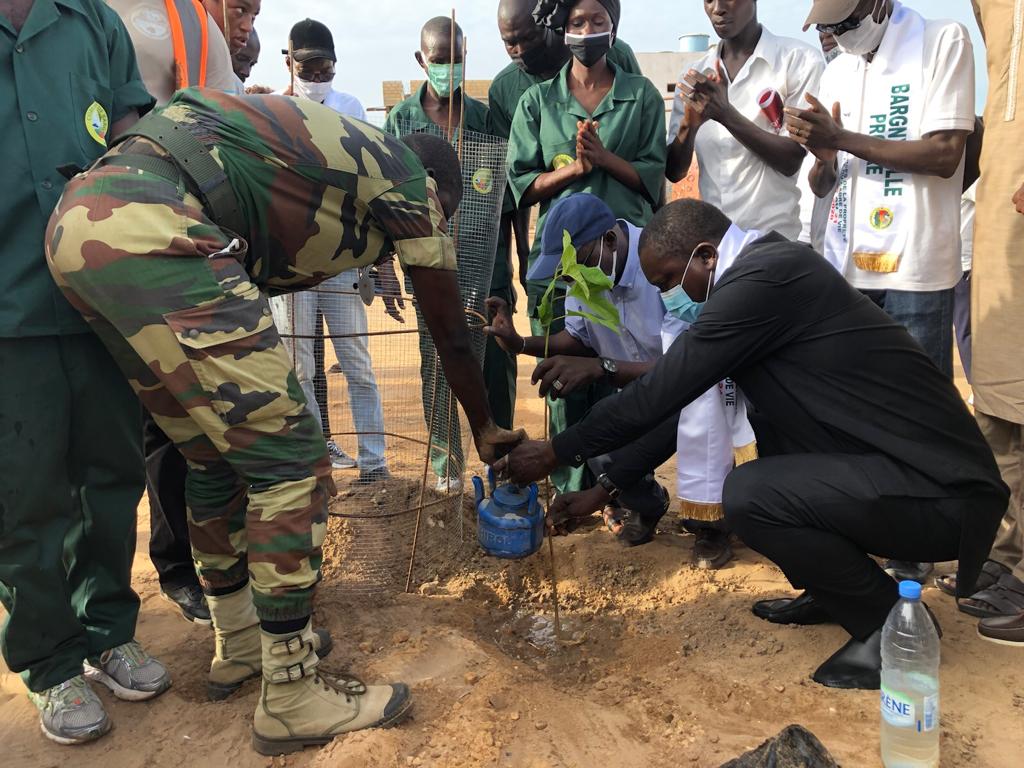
(67, 77)
(408, 114)
(321, 192)
(632, 118)
(503, 99)
(512, 82)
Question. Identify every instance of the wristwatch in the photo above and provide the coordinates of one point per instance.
(610, 367)
(610, 488)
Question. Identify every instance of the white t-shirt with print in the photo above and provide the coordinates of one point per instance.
(732, 177)
(931, 259)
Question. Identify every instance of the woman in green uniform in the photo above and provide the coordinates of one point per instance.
(592, 128)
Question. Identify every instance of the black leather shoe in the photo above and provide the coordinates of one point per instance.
(711, 549)
(857, 665)
(803, 610)
(637, 529)
(191, 602)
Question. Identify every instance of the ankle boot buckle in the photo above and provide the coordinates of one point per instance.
(291, 646)
(291, 674)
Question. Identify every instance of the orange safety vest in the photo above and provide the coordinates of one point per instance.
(190, 37)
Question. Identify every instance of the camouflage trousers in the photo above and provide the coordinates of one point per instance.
(168, 293)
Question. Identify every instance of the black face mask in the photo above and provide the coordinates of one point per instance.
(589, 49)
(543, 59)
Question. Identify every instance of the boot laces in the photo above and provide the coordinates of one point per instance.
(347, 685)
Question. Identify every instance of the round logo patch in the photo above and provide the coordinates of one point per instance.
(483, 181)
(561, 161)
(882, 218)
(151, 22)
(97, 123)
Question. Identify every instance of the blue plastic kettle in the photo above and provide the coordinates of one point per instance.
(510, 524)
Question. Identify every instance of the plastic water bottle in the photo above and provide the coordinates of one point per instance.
(910, 684)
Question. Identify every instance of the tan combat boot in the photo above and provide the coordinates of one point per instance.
(237, 653)
(298, 708)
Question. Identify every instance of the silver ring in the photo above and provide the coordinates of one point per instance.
(559, 386)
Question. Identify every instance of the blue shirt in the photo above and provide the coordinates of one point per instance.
(641, 313)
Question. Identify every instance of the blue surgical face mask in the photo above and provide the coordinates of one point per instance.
(678, 302)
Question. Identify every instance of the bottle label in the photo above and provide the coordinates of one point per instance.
(930, 721)
(897, 709)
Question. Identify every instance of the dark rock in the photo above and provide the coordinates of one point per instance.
(795, 747)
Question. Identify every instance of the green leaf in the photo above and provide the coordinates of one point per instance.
(568, 252)
(610, 323)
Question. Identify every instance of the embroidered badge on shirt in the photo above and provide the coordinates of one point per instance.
(561, 161)
(97, 123)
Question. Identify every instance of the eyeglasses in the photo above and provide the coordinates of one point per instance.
(315, 77)
(847, 25)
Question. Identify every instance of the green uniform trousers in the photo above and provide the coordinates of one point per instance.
(71, 478)
(566, 411)
(500, 371)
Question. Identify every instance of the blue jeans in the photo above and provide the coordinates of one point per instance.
(344, 314)
(927, 316)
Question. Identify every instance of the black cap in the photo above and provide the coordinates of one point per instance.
(311, 40)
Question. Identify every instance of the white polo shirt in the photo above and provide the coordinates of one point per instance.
(641, 313)
(732, 178)
(345, 104)
(931, 257)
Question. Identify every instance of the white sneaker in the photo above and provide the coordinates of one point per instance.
(448, 485)
(129, 672)
(339, 459)
(71, 713)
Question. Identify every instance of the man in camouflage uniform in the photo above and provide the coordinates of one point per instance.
(177, 289)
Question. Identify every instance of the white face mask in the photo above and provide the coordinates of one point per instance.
(317, 92)
(864, 39)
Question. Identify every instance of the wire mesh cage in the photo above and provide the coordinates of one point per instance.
(395, 433)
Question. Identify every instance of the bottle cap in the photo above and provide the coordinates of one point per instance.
(910, 590)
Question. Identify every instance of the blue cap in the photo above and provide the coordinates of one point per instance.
(910, 590)
(584, 216)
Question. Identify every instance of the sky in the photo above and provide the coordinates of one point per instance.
(375, 40)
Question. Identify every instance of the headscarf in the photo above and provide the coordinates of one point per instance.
(554, 14)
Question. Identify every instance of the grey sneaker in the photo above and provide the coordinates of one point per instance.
(130, 672)
(71, 713)
(339, 459)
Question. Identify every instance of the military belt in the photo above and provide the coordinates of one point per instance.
(192, 161)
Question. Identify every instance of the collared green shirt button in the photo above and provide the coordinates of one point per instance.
(19, 48)
(47, 184)
(32, 116)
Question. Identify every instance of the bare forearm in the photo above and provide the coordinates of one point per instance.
(625, 174)
(561, 343)
(822, 178)
(937, 155)
(521, 228)
(549, 184)
(630, 372)
(781, 153)
(680, 156)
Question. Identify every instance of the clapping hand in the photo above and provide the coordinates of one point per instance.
(818, 129)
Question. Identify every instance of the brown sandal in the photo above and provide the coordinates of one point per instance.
(1004, 598)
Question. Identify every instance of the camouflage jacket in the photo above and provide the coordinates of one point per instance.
(321, 192)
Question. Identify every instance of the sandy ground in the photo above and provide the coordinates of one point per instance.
(674, 670)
